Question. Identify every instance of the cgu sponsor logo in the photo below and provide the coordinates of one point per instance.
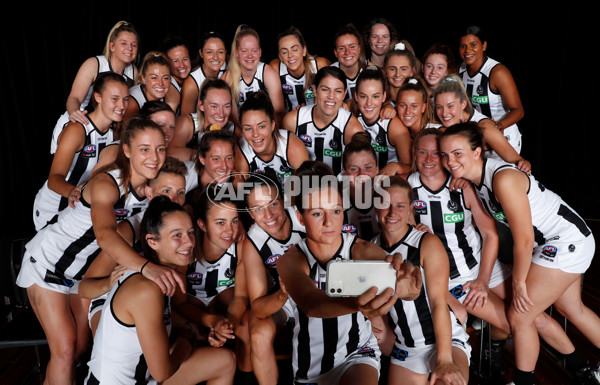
(480, 99)
(379, 148)
(225, 282)
(500, 216)
(454, 217)
(332, 153)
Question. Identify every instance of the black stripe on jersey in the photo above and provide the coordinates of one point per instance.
(303, 345)
(539, 237)
(330, 334)
(73, 249)
(455, 196)
(140, 371)
(402, 324)
(336, 163)
(437, 222)
(92, 380)
(87, 264)
(265, 252)
(381, 139)
(575, 219)
(352, 344)
(319, 146)
(210, 283)
(300, 94)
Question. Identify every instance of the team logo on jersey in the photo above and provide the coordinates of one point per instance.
(366, 351)
(452, 205)
(287, 89)
(349, 228)
(399, 354)
(272, 260)
(332, 153)
(284, 171)
(335, 145)
(454, 217)
(167, 313)
(229, 272)
(420, 207)
(89, 151)
(121, 213)
(549, 251)
(571, 247)
(195, 278)
(306, 139)
(542, 187)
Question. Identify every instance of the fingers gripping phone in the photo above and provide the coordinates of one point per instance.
(352, 278)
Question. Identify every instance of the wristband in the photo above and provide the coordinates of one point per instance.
(144, 265)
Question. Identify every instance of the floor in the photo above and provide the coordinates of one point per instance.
(18, 365)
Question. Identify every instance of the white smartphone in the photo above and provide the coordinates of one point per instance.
(351, 278)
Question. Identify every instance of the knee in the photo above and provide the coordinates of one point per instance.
(518, 320)
(261, 336)
(64, 350)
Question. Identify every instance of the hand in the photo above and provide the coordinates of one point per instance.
(373, 305)
(478, 294)
(390, 169)
(283, 294)
(524, 165)
(221, 332)
(387, 112)
(79, 116)
(74, 195)
(409, 280)
(117, 273)
(166, 278)
(458, 184)
(447, 373)
(521, 301)
(423, 227)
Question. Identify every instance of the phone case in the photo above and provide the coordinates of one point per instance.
(351, 278)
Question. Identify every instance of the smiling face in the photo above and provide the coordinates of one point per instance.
(213, 56)
(248, 53)
(397, 69)
(460, 159)
(449, 108)
(360, 166)
(167, 184)
(427, 156)
(216, 107)
(179, 62)
(329, 95)
(435, 69)
(166, 121)
(218, 162)
(113, 100)
(410, 107)
(471, 49)
(347, 50)
(220, 228)
(268, 211)
(146, 153)
(291, 53)
(379, 39)
(257, 129)
(394, 211)
(124, 47)
(175, 241)
(323, 216)
(156, 80)
(369, 97)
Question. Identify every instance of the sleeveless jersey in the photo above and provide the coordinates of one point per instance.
(117, 356)
(380, 140)
(486, 101)
(294, 92)
(411, 321)
(206, 279)
(324, 144)
(47, 202)
(321, 344)
(199, 76)
(361, 221)
(551, 217)
(103, 66)
(350, 82)
(67, 247)
(278, 163)
(445, 213)
(270, 248)
(138, 94)
(514, 138)
(257, 84)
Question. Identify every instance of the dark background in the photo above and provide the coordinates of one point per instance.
(550, 53)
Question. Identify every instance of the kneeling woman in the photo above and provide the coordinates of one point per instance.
(428, 337)
(333, 341)
(132, 341)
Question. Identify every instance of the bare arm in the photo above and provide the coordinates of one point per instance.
(70, 142)
(81, 85)
(189, 96)
(501, 80)
(297, 152)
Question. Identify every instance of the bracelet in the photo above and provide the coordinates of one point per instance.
(144, 265)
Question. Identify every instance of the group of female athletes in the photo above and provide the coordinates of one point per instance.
(147, 257)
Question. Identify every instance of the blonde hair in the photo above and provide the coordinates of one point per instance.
(453, 84)
(233, 67)
(151, 58)
(121, 26)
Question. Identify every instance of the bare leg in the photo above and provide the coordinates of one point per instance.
(401, 375)
(264, 363)
(360, 374)
(216, 366)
